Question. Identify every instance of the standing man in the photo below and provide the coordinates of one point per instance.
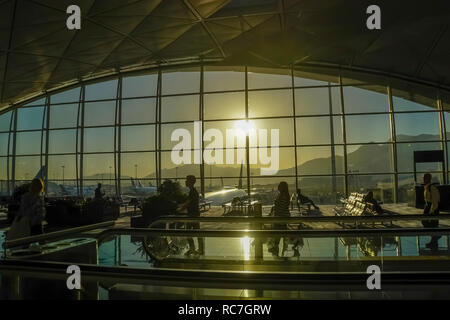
(193, 210)
(432, 198)
(98, 192)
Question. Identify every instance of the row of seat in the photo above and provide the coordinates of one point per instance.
(355, 205)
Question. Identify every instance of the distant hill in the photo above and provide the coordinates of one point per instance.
(367, 158)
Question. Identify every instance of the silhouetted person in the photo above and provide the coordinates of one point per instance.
(32, 206)
(370, 199)
(280, 209)
(98, 192)
(193, 210)
(301, 199)
(432, 198)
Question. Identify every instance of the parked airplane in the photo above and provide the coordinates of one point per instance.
(139, 189)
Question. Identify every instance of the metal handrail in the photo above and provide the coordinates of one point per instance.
(56, 234)
(225, 279)
(294, 220)
(271, 233)
(271, 220)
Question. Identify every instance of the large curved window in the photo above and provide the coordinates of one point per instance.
(333, 138)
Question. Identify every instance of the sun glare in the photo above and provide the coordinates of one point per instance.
(244, 126)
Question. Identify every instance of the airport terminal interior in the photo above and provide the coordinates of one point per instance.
(361, 116)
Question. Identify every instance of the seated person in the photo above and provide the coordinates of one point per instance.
(98, 192)
(370, 199)
(300, 199)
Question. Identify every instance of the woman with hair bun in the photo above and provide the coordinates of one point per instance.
(32, 206)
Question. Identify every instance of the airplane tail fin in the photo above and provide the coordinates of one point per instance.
(42, 173)
(133, 183)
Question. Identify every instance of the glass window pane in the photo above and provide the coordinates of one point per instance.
(319, 160)
(101, 90)
(28, 142)
(62, 141)
(219, 170)
(99, 113)
(414, 99)
(405, 156)
(139, 165)
(372, 158)
(27, 167)
(224, 80)
(304, 82)
(417, 126)
(265, 190)
(89, 186)
(259, 78)
(224, 105)
(169, 170)
(149, 186)
(60, 188)
(312, 101)
(30, 118)
(72, 95)
(99, 139)
(180, 82)
(365, 99)
(212, 185)
(285, 127)
(336, 100)
(270, 103)
(138, 111)
(4, 138)
(63, 116)
(307, 79)
(322, 190)
(137, 138)
(406, 186)
(5, 120)
(314, 130)
(37, 102)
(180, 108)
(406, 189)
(281, 165)
(3, 173)
(368, 128)
(139, 86)
(168, 129)
(382, 186)
(447, 124)
(97, 166)
(62, 167)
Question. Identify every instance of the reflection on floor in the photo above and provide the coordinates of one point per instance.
(326, 254)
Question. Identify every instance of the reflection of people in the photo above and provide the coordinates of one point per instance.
(98, 192)
(280, 209)
(300, 199)
(432, 198)
(32, 206)
(193, 210)
(370, 199)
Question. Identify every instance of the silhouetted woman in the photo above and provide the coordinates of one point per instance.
(32, 206)
(280, 209)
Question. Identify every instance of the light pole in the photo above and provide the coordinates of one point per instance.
(135, 172)
(63, 174)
